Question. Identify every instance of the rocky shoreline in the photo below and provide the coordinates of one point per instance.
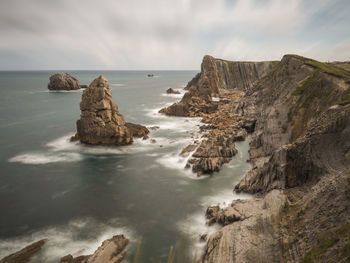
(298, 112)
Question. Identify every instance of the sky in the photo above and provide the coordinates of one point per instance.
(167, 34)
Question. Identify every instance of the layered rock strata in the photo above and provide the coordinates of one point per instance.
(300, 153)
(100, 121)
(64, 81)
(226, 80)
(111, 251)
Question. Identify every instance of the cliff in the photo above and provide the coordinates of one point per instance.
(217, 77)
(300, 153)
(226, 80)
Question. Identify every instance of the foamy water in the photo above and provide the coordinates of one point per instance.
(77, 195)
(72, 238)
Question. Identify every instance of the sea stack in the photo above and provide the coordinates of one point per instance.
(100, 121)
(63, 81)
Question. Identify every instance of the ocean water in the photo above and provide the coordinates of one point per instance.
(77, 195)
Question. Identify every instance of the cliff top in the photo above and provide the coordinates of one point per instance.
(338, 70)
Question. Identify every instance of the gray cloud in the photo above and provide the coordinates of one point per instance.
(163, 34)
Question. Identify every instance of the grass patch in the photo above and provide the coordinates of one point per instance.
(345, 98)
(331, 69)
(345, 66)
(326, 241)
(307, 83)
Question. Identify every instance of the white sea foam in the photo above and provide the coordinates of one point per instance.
(67, 239)
(117, 85)
(195, 224)
(45, 158)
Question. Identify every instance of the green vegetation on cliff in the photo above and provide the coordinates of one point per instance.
(327, 241)
(307, 83)
(331, 69)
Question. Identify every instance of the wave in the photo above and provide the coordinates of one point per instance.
(195, 224)
(78, 237)
(45, 158)
(117, 85)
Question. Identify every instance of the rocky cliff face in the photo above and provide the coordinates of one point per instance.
(227, 80)
(300, 152)
(100, 121)
(217, 77)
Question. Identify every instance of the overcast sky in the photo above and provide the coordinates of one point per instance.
(167, 34)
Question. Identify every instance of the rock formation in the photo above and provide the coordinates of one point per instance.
(100, 121)
(172, 91)
(26, 254)
(111, 251)
(228, 80)
(64, 81)
(300, 152)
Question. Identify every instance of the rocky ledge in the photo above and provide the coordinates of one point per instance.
(100, 121)
(111, 251)
(26, 254)
(64, 81)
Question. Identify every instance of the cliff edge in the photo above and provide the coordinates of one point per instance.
(300, 153)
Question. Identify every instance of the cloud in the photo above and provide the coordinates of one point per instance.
(162, 34)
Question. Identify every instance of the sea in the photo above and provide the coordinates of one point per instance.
(76, 196)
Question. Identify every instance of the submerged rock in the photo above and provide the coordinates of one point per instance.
(100, 121)
(63, 81)
(25, 254)
(111, 251)
(172, 91)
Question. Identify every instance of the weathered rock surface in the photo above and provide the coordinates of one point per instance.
(26, 254)
(100, 121)
(63, 81)
(172, 91)
(227, 80)
(111, 251)
(217, 77)
(300, 152)
(137, 130)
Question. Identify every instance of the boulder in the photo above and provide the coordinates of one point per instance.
(137, 130)
(100, 121)
(63, 81)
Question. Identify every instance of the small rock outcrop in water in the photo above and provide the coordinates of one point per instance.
(63, 81)
(26, 254)
(172, 91)
(100, 121)
(111, 251)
